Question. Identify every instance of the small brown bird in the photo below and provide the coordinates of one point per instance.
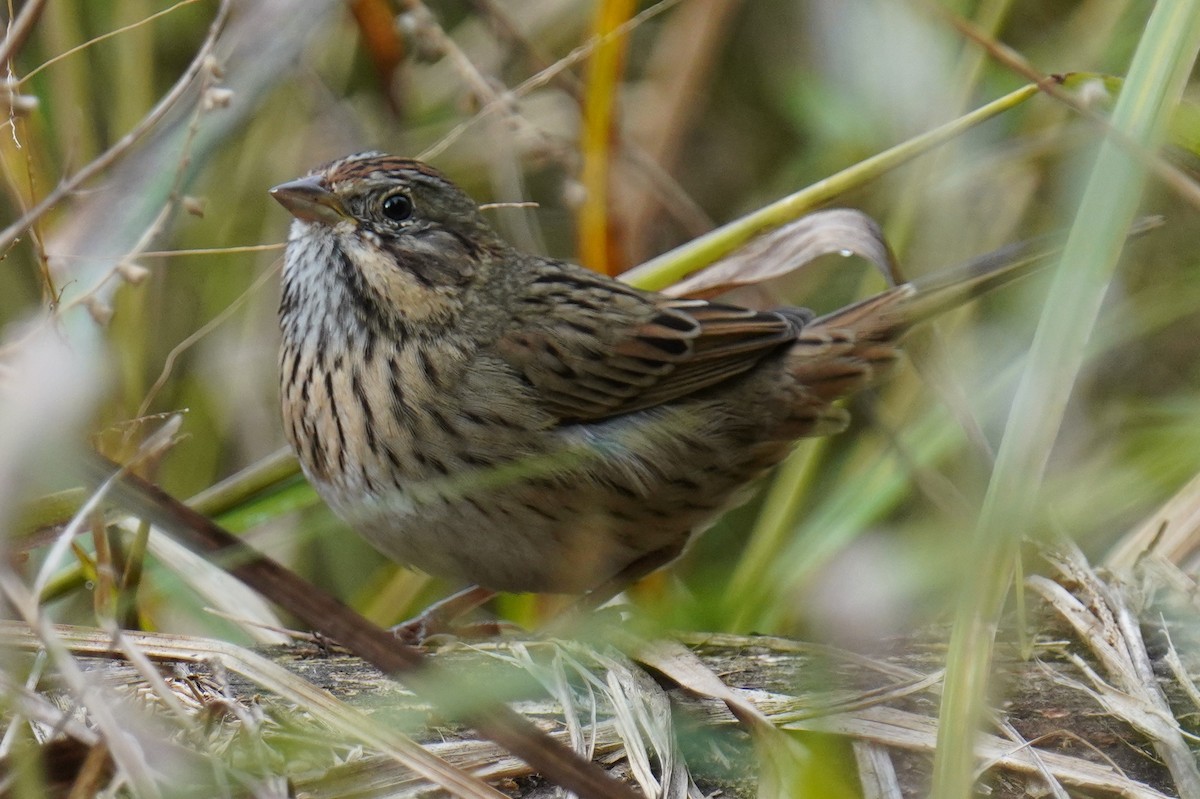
(525, 424)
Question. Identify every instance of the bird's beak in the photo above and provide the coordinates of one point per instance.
(307, 199)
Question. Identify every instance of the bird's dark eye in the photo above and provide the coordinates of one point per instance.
(397, 207)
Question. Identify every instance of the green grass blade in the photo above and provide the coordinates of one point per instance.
(671, 267)
(1110, 199)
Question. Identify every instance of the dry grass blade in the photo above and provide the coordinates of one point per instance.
(151, 449)
(640, 712)
(337, 715)
(1180, 672)
(865, 718)
(220, 590)
(130, 746)
(876, 771)
(1052, 784)
(1108, 625)
(681, 63)
(681, 665)
(837, 231)
(36, 708)
(782, 759)
(910, 731)
(643, 715)
(1173, 532)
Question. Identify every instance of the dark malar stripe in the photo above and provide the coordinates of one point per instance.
(368, 311)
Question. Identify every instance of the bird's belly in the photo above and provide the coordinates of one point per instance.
(505, 540)
(560, 538)
(564, 516)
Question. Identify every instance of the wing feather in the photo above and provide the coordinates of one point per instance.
(595, 348)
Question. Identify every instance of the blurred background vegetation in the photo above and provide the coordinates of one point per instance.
(714, 109)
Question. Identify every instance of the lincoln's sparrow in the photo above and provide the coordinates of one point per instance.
(525, 424)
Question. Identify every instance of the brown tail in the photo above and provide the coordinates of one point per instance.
(840, 352)
(892, 312)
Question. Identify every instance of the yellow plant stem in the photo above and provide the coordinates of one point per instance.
(604, 72)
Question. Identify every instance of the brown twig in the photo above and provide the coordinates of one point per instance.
(19, 31)
(502, 101)
(337, 621)
(113, 153)
(1164, 170)
(673, 197)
